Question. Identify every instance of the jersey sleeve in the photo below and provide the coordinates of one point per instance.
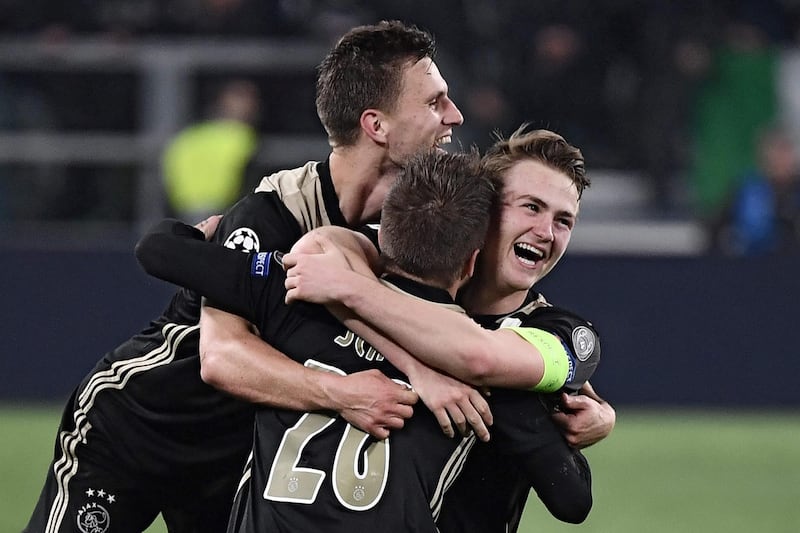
(258, 222)
(578, 337)
(178, 253)
(525, 435)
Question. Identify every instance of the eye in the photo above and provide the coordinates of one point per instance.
(566, 222)
(532, 207)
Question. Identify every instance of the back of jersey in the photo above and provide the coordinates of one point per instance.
(313, 472)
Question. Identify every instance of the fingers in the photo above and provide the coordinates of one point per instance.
(479, 416)
(482, 407)
(573, 402)
(460, 421)
(289, 260)
(444, 422)
(408, 396)
(379, 433)
(209, 225)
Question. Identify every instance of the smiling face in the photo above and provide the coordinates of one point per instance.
(530, 231)
(424, 115)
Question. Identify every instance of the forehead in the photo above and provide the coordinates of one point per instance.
(534, 180)
(423, 80)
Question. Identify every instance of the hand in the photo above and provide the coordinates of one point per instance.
(584, 420)
(209, 225)
(315, 277)
(374, 403)
(453, 402)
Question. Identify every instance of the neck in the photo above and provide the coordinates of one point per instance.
(361, 180)
(483, 297)
(451, 289)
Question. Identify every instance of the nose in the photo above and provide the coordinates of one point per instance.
(452, 115)
(543, 228)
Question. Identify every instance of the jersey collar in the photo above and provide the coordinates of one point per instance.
(419, 290)
(329, 194)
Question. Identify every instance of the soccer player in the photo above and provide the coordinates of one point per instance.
(307, 469)
(543, 179)
(143, 434)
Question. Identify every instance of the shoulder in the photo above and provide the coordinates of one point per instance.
(258, 222)
(577, 334)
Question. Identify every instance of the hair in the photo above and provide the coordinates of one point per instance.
(436, 215)
(365, 71)
(544, 146)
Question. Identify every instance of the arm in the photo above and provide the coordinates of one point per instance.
(562, 479)
(445, 340)
(450, 400)
(531, 451)
(237, 361)
(585, 418)
(178, 253)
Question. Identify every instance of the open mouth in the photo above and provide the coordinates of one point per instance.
(443, 140)
(527, 253)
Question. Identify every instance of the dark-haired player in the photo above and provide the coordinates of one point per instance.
(311, 468)
(143, 434)
(543, 178)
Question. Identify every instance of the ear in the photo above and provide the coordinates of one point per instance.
(469, 266)
(373, 124)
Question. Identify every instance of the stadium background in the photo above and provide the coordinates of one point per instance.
(700, 357)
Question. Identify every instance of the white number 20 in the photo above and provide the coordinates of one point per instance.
(358, 489)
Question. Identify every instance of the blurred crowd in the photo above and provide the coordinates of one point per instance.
(685, 95)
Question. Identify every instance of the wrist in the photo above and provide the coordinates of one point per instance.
(323, 387)
(350, 292)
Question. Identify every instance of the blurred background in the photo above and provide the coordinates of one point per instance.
(116, 113)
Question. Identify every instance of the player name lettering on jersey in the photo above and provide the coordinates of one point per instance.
(362, 349)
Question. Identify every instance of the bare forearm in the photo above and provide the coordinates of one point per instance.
(235, 360)
(452, 402)
(442, 338)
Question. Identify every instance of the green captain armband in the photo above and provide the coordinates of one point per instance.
(554, 356)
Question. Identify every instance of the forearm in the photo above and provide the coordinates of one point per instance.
(401, 359)
(442, 338)
(562, 480)
(237, 361)
(178, 253)
(452, 402)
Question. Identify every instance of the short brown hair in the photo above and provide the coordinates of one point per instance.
(365, 71)
(544, 146)
(436, 215)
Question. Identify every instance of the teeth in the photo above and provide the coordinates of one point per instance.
(527, 253)
(444, 140)
(530, 249)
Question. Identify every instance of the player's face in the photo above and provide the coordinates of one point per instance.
(533, 227)
(424, 116)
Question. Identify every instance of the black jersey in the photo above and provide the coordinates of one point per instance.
(313, 471)
(144, 418)
(527, 449)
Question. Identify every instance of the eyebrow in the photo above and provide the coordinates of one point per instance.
(541, 202)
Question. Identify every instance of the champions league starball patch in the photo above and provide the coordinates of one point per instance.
(94, 516)
(584, 341)
(243, 239)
